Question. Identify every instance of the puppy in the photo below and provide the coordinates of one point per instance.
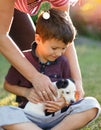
(66, 88)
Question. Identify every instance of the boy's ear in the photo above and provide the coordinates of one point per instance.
(37, 38)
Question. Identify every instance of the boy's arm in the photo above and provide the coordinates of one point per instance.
(15, 89)
(71, 54)
(28, 93)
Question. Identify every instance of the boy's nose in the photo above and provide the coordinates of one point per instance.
(59, 53)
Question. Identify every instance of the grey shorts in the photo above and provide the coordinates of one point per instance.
(12, 115)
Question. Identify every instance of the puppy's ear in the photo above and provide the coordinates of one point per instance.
(62, 83)
(59, 84)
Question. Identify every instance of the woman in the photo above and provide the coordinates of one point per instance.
(13, 54)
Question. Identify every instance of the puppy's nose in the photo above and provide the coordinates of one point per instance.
(72, 101)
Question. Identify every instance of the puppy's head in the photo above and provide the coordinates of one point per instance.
(67, 89)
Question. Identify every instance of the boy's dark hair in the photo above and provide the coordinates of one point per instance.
(57, 26)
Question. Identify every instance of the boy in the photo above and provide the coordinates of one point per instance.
(54, 32)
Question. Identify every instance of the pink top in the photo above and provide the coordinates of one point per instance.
(32, 7)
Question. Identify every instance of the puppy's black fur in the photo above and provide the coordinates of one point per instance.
(62, 83)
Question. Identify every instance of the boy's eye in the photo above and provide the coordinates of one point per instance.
(63, 49)
(54, 48)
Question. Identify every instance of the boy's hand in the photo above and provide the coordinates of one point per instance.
(53, 106)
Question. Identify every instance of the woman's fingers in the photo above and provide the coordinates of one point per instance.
(44, 88)
(32, 96)
(46, 95)
(34, 100)
(53, 90)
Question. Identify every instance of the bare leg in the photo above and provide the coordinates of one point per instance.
(76, 121)
(22, 126)
(22, 30)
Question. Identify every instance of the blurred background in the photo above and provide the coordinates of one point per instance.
(87, 18)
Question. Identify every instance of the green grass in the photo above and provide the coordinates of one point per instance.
(4, 65)
(89, 55)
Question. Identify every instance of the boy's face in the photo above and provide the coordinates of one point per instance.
(50, 50)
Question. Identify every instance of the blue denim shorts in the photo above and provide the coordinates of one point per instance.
(17, 115)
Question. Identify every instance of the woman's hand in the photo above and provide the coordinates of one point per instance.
(31, 95)
(44, 88)
(53, 106)
(80, 90)
(80, 93)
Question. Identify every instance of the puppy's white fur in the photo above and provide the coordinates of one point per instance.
(68, 93)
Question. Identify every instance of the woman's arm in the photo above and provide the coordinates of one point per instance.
(9, 49)
(73, 60)
(71, 54)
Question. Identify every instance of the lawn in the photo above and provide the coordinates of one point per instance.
(89, 55)
(4, 65)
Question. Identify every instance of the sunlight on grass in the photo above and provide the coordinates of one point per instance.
(90, 64)
(9, 100)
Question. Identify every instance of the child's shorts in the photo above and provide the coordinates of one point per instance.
(13, 115)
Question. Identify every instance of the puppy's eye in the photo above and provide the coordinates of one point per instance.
(67, 92)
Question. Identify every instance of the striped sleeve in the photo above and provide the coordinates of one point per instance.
(31, 8)
(21, 5)
(58, 3)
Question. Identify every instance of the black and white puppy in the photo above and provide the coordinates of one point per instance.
(66, 89)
